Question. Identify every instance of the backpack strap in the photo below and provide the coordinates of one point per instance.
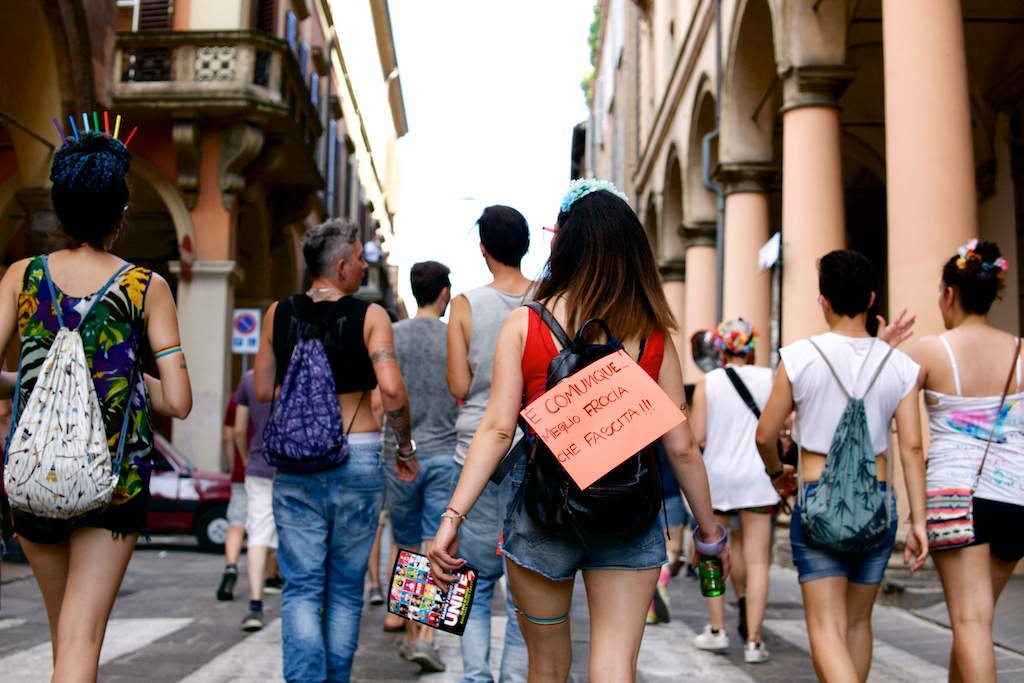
(99, 294)
(552, 324)
(879, 370)
(742, 390)
(829, 364)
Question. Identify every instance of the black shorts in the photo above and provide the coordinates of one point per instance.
(120, 520)
(999, 525)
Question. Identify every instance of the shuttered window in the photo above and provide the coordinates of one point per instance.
(262, 15)
(155, 15)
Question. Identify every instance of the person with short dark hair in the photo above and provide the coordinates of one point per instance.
(963, 374)
(326, 520)
(79, 562)
(415, 507)
(817, 376)
(474, 326)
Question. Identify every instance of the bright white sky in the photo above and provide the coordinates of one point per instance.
(492, 94)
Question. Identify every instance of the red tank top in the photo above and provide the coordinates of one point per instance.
(540, 349)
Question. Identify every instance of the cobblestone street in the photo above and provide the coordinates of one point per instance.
(168, 628)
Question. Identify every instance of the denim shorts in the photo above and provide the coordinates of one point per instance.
(558, 556)
(415, 507)
(121, 520)
(812, 563)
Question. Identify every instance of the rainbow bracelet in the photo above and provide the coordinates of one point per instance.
(168, 351)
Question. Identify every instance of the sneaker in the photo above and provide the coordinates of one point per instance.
(226, 590)
(691, 573)
(711, 641)
(273, 586)
(755, 653)
(253, 621)
(426, 655)
(376, 597)
(652, 618)
(741, 628)
(661, 605)
(405, 650)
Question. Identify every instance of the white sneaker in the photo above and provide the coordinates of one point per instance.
(711, 641)
(755, 653)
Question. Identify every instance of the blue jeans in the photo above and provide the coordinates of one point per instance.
(326, 522)
(415, 507)
(478, 545)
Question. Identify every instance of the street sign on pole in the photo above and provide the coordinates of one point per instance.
(245, 331)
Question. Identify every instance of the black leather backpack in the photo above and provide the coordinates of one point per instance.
(625, 500)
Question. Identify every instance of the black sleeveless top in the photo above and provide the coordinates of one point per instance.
(341, 321)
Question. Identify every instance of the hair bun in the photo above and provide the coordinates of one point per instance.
(91, 163)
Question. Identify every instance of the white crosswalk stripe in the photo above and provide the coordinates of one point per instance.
(257, 659)
(124, 636)
(10, 623)
(889, 664)
(667, 655)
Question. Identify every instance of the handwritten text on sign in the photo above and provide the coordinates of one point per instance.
(596, 419)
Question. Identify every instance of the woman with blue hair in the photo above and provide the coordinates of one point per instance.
(79, 562)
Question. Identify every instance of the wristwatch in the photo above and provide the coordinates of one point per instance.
(405, 457)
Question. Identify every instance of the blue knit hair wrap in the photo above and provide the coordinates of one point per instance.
(91, 163)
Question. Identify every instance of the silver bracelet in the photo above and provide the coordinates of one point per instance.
(711, 548)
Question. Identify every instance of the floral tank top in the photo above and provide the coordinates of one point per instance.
(111, 336)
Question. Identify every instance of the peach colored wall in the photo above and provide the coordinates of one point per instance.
(932, 200)
(813, 220)
(747, 294)
(214, 225)
(701, 264)
(182, 12)
(154, 144)
(675, 292)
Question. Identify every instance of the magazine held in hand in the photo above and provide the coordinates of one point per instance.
(414, 595)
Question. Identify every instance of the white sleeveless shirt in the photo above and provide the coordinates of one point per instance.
(736, 472)
(960, 427)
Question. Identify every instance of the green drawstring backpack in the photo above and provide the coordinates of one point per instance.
(848, 513)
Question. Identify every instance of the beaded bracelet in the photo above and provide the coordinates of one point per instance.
(711, 548)
(456, 513)
(456, 519)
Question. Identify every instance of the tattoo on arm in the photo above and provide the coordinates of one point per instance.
(399, 421)
(384, 355)
(684, 407)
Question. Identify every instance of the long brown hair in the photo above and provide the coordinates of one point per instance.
(602, 265)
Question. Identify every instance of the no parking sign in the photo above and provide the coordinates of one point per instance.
(245, 330)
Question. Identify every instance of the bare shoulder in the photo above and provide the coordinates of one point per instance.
(15, 274)
(926, 350)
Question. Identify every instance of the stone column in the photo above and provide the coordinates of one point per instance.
(813, 214)
(701, 268)
(747, 293)
(673, 283)
(205, 308)
(929, 151)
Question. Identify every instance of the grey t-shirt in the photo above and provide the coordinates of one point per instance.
(259, 415)
(490, 307)
(421, 346)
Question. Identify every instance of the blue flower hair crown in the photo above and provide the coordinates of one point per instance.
(581, 187)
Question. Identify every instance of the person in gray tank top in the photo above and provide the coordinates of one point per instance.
(473, 328)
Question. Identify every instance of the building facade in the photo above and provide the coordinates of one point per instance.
(256, 119)
(817, 119)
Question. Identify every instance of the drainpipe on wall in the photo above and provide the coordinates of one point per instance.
(706, 168)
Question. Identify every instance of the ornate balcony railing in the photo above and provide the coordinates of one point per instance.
(218, 73)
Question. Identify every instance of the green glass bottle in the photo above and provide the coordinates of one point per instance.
(712, 584)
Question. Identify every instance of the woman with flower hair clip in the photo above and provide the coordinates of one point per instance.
(724, 424)
(601, 266)
(971, 376)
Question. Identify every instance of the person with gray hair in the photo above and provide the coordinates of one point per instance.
(326, 520)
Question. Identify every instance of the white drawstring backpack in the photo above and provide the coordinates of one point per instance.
(58, 464)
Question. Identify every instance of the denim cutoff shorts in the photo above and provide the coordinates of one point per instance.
(812, 563)
(558, 556)
(675, 512)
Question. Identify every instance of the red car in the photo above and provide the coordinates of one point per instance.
(184, 500)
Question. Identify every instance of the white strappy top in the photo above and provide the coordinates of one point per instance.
(960, 427)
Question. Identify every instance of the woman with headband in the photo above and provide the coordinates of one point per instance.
(78, 563)
(724, 424)
(970, 375)
(601, 266)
